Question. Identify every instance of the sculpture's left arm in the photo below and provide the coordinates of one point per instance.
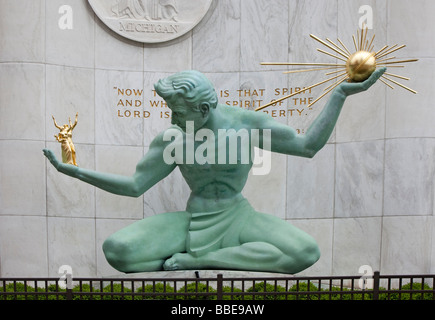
(75, 123)
(284, 139)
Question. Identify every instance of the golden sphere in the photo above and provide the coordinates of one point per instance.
(360, 65)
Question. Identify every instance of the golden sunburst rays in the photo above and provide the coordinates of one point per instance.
(352, 67)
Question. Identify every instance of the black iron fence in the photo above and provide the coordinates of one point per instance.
(376, 287)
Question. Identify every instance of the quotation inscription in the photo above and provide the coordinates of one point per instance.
(135, 103)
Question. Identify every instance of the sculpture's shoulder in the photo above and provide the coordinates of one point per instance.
(248, 118)
(163, 138)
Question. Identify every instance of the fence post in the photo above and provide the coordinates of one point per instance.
(376, 277)
(69, 294)
(219, 287)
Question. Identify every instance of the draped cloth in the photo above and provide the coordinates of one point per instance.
(211, 231)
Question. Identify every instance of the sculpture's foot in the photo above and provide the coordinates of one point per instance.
(179, 261)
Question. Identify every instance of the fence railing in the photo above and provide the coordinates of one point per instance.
(377, 287)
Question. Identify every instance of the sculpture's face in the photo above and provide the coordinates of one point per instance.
(181, 113)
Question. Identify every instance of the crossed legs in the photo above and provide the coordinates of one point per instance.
(267, 243)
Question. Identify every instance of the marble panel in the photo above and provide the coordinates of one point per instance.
(415, 28)
(363, 116)
(66, 196)
(310, 17)
(68, 91)
(409, 176)
(216, 44)
(178, 55)
(406, 245)
(22, 98)
(310, 185)
(408, 114)
(264, 33)
(71, 47)
(23, 246)
(22, 176)
(322, 231)
(115, 52)
(359, 179)
(104, 228)
(71, 241)
(267, 192)
(116, 95)
(120, 160)
(22, 31)
(357, 242)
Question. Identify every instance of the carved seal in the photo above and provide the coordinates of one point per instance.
(151, 21)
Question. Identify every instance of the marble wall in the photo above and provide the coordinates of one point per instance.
(367, 197)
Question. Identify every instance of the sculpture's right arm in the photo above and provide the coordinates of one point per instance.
(150, 170)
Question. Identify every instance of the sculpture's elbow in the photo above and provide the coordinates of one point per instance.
(309, 148)
(135, 192)
(310, 153)
(138, 189)
(130, 190)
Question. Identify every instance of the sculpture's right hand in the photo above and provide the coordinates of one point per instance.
(50, 156)
(67, 169)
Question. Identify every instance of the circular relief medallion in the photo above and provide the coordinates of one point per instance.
(150, 21)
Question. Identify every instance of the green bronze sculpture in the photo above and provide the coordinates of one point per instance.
(219, 229)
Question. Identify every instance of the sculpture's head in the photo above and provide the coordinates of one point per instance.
(190, 96)
(65, 128)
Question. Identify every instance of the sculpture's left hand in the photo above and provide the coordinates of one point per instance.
(349, 88)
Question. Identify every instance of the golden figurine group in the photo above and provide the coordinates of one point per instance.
(65, 138)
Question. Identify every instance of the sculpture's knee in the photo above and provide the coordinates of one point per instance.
(312, 253)
(116, 253)
(305, 257)
(309, 255)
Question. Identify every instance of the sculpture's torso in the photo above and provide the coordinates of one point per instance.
(218, 184)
